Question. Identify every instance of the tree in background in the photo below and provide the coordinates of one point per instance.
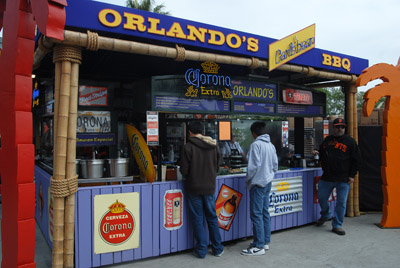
(148, 5)
(335, 99)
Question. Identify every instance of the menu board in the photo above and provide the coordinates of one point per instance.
(255, 90)
(253, 107)
(178, 103)
(300, 110)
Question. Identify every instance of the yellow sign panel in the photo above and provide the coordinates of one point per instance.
(290, 47)
(141, 152)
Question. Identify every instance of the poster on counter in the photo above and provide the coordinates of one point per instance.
(173, 209)
(226, 205)
(286, 196)
(116, 222)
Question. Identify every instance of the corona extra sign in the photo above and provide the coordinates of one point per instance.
(290, 47)
(218, 85)
(116, 222)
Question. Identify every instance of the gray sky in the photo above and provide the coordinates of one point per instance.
(368, 29)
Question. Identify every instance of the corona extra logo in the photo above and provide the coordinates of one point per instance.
(117, 225)
(117, 207)
(208, 77)
(282, 186)
(210, 67)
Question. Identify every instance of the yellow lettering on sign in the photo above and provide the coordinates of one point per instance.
(252, 44)
(176, 31)
(214, 35)
(336, 61)
(103, 18)
(134, 22)
(327, 59)
(235, 44)
(153, 27)
(196, 34)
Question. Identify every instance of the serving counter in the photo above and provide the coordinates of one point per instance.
(154, 238)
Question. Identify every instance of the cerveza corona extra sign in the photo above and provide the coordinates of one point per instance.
(290, 47)
(141, 152)
(116, 222)
(207, 83)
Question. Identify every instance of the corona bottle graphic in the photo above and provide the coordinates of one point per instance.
(227, 211)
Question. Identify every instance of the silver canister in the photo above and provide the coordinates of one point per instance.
(91, 168)
(119, 167)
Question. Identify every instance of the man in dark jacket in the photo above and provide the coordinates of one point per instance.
(199, 165)
(340, 158)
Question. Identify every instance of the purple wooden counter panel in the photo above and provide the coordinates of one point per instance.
(154, 239)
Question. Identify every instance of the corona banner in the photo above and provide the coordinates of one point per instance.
(286, 196)
(141, 152)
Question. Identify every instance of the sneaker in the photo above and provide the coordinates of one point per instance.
(339, 231)
(266, 246)
(321, 221)
(197, 254)
(253, 251)
(219, 254)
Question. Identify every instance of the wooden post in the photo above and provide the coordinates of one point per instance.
(350, 123)
(71, 169)
(64, 180)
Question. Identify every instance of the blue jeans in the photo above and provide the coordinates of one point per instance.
(342, 190)
(200, 206)
(259, 215)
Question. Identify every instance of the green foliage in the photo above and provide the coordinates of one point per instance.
(334, 100)
(360, 101)
(148, 5)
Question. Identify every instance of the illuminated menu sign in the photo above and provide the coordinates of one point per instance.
(296, 96)
(178, 103)
(251, 107)
(254, 90)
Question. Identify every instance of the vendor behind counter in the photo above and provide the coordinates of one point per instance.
(232, 148)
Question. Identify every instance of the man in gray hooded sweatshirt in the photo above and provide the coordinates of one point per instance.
(262, 165)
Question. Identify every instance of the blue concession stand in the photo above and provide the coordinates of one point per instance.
(135, 61)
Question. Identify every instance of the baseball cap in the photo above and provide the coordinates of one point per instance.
(339, 122)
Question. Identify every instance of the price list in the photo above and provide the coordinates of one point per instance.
(178, 103)
(300, 109)
(251, 107)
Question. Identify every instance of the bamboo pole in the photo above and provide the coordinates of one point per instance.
(355, 133)
(57, 85)
(349, 115)
(60, 163)
(71, 169)
(81, 39)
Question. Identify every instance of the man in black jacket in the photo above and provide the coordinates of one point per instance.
(340, 158)
(199, 165)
